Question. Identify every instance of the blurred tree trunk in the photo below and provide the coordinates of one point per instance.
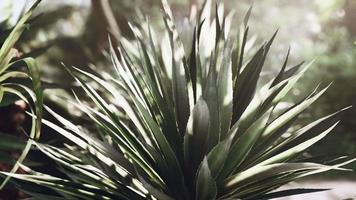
(192, 2)
(104, 22)
(350, 16)
(102, 9)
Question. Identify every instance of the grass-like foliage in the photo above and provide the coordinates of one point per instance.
(183, 119)
(31, 95)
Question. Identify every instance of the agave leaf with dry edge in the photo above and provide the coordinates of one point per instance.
(218, 155)
(301, 136)
(273, 127)
(129, 137)
(89, 174)
(259, 173)
(205, 187)
(271, 184)
(273, 96)
(182, 86)
(242, 146)
(225, 85)
(74, 189)
(154, 87)
(296, 149)
(210, 94)
(143, 162)
(239, 50)
(84, 141)
(195, 139)
(245, 86)
(283, 122)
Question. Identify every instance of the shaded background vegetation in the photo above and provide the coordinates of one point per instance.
(76, 33)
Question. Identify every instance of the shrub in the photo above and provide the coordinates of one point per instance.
(183, 121)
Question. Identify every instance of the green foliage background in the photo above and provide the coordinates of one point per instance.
(72, 33)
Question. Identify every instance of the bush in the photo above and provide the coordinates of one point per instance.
(183, 120)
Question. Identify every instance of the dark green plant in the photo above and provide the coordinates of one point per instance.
(183, 120)
(19, 90)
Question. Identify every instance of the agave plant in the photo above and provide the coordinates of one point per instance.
(19, 90)
(183, 119)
